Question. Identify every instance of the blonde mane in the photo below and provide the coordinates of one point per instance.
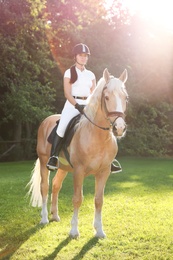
(93, 103)
(95, 99)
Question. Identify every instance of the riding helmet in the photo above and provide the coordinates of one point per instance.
(81, 48)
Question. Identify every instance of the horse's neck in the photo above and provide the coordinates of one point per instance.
(94, 122)
(98, 127)
(100, 119)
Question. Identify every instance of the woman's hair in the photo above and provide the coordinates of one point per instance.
(73, 74)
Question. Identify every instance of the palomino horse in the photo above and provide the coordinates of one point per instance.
(92, 149)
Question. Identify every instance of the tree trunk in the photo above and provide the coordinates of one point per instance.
(28, 144)
(18, 151)
(18, 131)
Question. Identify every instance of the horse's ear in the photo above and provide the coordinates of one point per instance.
(106, 75)
(124, 76)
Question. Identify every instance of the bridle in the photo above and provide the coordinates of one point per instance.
(103, 128)
(108, 114)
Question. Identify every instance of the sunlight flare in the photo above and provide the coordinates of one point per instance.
(157, 12)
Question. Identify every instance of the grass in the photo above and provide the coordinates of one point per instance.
(137, 216)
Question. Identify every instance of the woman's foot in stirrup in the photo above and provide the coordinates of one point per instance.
(115, 167)
(52, 163)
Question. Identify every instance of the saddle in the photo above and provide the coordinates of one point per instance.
(69, 133)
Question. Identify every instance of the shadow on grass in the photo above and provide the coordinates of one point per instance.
(151, 174)
(89, 245)
(64, 243)
(14, 244)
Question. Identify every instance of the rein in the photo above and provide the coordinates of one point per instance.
(103, 128)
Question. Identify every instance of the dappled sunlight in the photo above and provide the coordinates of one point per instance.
(52, 241)
(137, 214)
(33, 245)
(12, 241)
(153, 176)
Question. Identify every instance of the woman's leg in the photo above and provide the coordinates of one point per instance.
(68, 113)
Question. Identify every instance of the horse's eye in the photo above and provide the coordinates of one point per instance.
(107, 98)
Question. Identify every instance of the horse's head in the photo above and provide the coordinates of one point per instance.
(114, 101)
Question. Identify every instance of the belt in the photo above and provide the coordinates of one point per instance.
(83, 98)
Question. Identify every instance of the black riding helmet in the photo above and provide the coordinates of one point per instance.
(78, 49)
(81, 48)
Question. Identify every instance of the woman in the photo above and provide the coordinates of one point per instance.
(79, 83)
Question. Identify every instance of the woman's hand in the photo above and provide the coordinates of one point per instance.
(80, 108)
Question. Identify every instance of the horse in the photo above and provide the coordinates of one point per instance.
(91, 151)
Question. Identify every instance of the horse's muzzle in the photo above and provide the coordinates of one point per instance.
(119, 127)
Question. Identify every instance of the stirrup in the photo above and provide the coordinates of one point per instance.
(115, 167)
(53, 163)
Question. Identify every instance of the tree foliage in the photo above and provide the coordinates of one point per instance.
(149, 131)
(25, 65)
(36, 41)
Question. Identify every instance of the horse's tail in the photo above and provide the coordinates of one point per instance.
(34, 186)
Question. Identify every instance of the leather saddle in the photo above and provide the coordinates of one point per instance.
(69, 133)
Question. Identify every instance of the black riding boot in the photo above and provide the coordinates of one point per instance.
(53, 162)
(115, 166)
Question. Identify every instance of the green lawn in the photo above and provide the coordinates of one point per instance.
(137, 215)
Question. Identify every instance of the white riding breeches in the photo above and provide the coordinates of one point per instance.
(68, 112)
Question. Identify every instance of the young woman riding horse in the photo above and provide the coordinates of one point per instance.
(79, 83)
(91, 151)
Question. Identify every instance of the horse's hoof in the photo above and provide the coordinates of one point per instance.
(74, 235)
(100, 235)
(44, 222)
(56, 219)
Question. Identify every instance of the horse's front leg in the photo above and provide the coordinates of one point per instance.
(100, 181)
(56, 187)
(77, 201)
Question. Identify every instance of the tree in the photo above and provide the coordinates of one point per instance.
(27, 93)
(36, 39)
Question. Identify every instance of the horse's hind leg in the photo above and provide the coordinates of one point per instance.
(44, 191)
(56, 187)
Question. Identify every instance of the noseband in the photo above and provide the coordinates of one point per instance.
(108, 114)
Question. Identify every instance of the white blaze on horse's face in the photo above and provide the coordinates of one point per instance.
(119, 127)
(115, 102)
